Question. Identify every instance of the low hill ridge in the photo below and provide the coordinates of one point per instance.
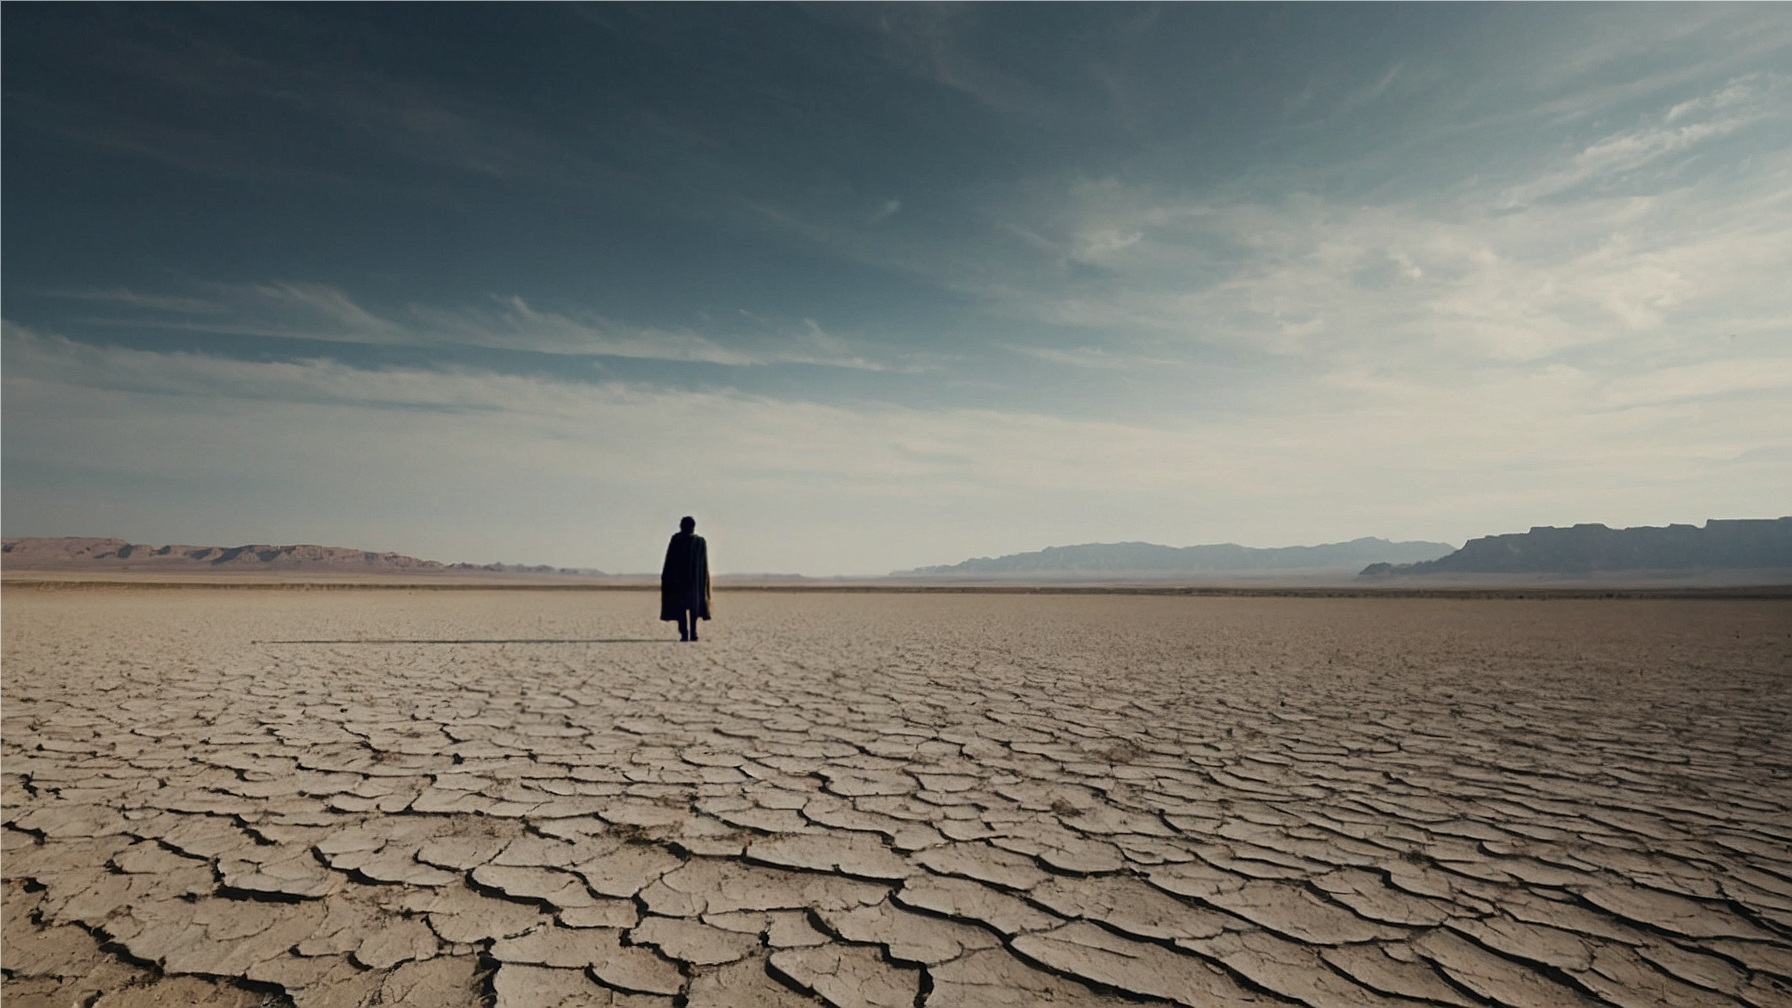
(1150, 558)
(1737, 544)
(90, 553)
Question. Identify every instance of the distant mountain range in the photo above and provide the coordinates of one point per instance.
(1748, 544)
(1743, 544)
(80, 553)
(1152, 559)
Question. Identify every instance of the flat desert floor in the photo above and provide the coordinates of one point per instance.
(211, 797)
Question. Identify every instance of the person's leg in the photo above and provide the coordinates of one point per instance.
(683, 633)
(693, 624)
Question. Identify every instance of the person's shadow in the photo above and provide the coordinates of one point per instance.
(479, 640)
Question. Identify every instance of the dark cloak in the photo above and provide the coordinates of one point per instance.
(684, 581)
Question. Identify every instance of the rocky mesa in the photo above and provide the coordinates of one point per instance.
(1740, 544)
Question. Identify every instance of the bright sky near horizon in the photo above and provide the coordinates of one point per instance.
(868, 287)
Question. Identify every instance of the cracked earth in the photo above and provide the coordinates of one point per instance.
(882, 799)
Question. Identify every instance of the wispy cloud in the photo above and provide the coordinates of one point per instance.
(320, 312)
(925, 41)
(1508, 450)
(1091, 357)
(149, 302)
(1442, 284)
(1680, 129)
(514, 325)
(1364, 93)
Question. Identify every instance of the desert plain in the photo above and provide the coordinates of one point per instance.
(536, 798)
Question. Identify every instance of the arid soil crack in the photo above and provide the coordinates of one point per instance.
(894, 800)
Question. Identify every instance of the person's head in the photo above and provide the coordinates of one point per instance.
(687, 524)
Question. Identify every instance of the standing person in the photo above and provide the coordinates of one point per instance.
(684, 581)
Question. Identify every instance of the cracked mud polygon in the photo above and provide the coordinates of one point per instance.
(893, 799)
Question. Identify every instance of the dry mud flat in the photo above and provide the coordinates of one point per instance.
(868, 799)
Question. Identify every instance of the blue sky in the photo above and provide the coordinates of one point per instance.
(867, 287)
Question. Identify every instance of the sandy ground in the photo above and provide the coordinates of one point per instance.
(865, 799)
